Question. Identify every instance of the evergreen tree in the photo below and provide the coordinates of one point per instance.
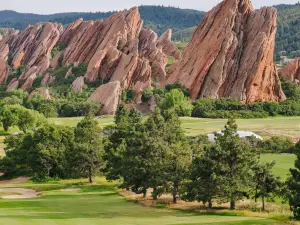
(203, 186)
(86, 156)
(179, 154)
(119, 136)
(267, 185)
(293, 185)
(234, 160)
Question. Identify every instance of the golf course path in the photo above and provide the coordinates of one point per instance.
(19, 193)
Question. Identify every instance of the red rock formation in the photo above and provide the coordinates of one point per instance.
(69, 73)
(78, 84)
(14, 84)
(231, 55)
(3, 71)
(4, 50)
(108, 95)
(115, 50)
(8, 31)
(3, 62)
(292, 71)
(54, 62)
(29, 82)
(41, 91)
(157, 51)
(47, 80)
(33, 46)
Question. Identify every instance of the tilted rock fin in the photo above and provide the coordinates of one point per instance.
(231, 55)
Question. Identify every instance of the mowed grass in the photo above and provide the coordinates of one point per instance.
(285, 126)
(284, 162)
(267, 127)
(100, 205)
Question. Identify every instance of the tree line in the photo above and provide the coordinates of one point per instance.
(152, 154)
(176, 97)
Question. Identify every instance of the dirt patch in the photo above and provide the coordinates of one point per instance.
(15, 181)
(21, 193)
(166, 201)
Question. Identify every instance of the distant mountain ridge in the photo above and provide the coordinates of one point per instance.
(181, 21)
(158, 18)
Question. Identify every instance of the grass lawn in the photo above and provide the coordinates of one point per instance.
(286, 126)
(100, 205)
(283, 163)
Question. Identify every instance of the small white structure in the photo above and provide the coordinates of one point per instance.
(242, 134)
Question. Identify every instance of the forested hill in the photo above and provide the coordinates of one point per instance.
(158, 18)
(182, 21)
(288, 33)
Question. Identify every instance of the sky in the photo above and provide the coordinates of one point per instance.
(56, 6)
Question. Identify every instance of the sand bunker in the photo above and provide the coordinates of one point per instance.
(22, 193)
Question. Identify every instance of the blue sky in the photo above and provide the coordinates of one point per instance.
(53, 6)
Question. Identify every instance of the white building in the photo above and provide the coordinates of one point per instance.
(242, 135)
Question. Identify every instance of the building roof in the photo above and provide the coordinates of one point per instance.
(242, 134)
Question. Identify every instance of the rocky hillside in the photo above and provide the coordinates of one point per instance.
(116, 52)
(224, 59)
(231, 55)
(292, 71)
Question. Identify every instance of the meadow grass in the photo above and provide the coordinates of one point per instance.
(100, 205)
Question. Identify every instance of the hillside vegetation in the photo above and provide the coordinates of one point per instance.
(158, 18)
(288, 33)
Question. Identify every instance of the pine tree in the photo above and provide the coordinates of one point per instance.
(87, 155)
(267, 185)
(293, 184)
(234, 160)
(203, 186)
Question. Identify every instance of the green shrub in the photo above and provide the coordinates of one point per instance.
(147, 95)
(48, 109)
(277, 144)
(128, 96)
(175, 99)
(80, 70)
(203, 106)
(57, 50)
(184, 90)
(68, 110)
(272, 108)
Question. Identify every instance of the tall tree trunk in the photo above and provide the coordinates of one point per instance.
(232, 204)
(175, 192)
(145, 193)
(90, 175)
(263, 203)
(154, 193)
(210, 205)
